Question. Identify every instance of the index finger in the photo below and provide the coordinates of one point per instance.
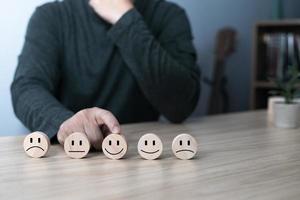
(107, 118)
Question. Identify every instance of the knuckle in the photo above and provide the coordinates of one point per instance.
(62, 127)
(65, 127)
(94, 109)
(83, 113)
(106, 113)
(59, 137)
(62, 131)
(80, 112)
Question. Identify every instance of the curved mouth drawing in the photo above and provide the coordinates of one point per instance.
(113, 154)
(149, 152)
(35, 147)
(185, 150)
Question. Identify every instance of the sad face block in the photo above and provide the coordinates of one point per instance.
(150, 146)
(77, 145)
(114, 146)
(36, 145)
(184, 146)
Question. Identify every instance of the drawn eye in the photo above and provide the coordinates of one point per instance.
(73, 142)
(189, 142)
(39, 140)
(180, 142)
(31, 140)
(153, 142)
(146, 142)
(80, 142)
(118, 142)
(109, 142)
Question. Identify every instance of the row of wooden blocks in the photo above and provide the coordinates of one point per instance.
(114, 146)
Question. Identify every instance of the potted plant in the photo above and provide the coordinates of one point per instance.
(287, 112)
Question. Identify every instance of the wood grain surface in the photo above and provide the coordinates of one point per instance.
(241, 156)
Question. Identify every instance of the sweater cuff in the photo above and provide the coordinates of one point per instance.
(127, 20)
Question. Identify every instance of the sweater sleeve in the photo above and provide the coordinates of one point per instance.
(37, 76)
(164, 68)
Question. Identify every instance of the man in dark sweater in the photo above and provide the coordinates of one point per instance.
(131, 61)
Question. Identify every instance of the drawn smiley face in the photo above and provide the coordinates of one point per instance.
(114, 146)
(184, 146)
(77, 145)
(150, 146)
(36, 145)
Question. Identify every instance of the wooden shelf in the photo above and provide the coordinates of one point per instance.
(282, 23)
(264, 84)
(260, 89)
(267, 85)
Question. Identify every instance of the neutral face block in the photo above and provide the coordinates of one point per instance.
(77, 145)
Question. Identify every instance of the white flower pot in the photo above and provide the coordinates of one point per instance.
(271, 101)
(286, 115)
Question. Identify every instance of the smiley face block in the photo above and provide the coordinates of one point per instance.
(184, 146)
(150, 146)
(77, 145)
(36, 145)
(114, 146)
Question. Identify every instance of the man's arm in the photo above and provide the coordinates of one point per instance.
(166, 71)
(164, 67)
(37, 80)
(38, 75)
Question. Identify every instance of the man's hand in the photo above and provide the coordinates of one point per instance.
(94, 122)
(111, 10)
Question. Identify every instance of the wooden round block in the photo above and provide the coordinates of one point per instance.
(36, 144)
(114, 146)
(150, 146)
(77, 145)
(184, 146)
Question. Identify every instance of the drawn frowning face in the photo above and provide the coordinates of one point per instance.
(77, 145)
(184, 146)
(114, 146)
(36, 145)
(150, 146)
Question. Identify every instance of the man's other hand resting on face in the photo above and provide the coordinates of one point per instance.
(87, 63)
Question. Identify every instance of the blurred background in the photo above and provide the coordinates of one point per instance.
(207, 17)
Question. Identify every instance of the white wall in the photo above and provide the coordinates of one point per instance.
(14, 16)
(207, 16)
